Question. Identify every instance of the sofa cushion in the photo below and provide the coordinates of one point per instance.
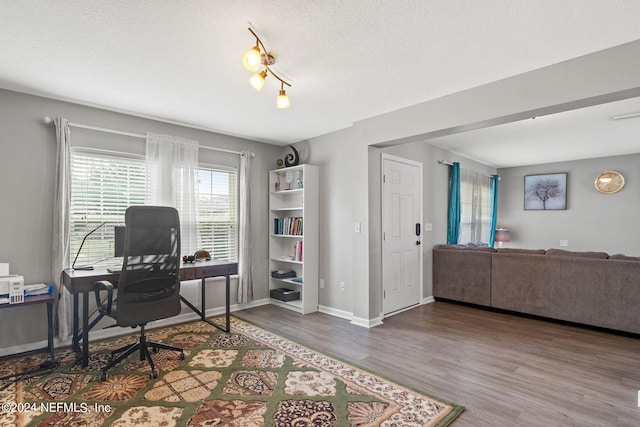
(624, 257)
(562, 252)
(522, 251)
(466, 248)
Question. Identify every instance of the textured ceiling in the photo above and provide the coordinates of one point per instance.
(348, 60)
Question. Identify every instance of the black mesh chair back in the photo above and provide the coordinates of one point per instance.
(149, 285)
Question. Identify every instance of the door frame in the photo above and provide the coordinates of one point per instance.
(419, 165)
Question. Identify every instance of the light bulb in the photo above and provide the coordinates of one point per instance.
(283, 100)
(257, 80)
(252, 59)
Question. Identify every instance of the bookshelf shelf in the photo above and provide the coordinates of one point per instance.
(287, 281)
(288, 261)
(294, 234)
(293, 190)
(288, 209)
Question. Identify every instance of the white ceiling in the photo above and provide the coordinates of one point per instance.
(585, 133)
(348, 60)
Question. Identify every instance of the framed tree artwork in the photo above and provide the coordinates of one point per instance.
(545, 192)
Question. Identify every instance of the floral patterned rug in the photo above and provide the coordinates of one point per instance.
(247, 378)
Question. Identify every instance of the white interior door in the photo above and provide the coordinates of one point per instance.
(401, 233)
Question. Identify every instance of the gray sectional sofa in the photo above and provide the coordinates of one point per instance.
(591, 288)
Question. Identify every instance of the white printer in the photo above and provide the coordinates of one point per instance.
(6, 282)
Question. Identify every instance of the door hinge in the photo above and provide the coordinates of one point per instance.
(384, 179)
(384, 236)
(384, 293)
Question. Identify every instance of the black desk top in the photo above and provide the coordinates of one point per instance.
(78, 281)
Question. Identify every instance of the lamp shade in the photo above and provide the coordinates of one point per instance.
(257, 80)
(502, 235)
(252, 59)
(283, 100)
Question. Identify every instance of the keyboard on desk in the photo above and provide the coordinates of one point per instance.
(114, 265)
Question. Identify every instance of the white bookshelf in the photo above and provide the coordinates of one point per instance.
(291, 202)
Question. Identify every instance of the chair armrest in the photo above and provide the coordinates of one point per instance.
(104, 285)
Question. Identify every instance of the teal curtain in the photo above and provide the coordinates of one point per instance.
(453, 225)
(494, 208)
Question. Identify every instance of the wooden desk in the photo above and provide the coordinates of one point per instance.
(48, 299)
(81, 283)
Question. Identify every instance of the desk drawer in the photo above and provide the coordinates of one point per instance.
(187, 274)
(216, 270)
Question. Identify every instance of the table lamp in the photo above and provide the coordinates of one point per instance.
(501, 236)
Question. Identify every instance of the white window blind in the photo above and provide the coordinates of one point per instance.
(102, 187)
(217, 212)
(475, 207)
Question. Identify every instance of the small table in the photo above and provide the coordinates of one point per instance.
(81, 282)
(48, 299)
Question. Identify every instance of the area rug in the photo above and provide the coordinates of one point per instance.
(247, 378)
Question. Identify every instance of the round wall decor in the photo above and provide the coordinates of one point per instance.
(609, 182)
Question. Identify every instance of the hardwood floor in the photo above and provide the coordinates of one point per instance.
(504, 369)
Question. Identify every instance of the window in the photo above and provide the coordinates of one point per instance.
(217, 212)
(102, 187)
(475, 207)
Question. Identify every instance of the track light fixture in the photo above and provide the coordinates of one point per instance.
(258, 59)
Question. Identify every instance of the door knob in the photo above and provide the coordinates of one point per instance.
(418, 242)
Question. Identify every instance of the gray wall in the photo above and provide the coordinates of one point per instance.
(592, 221)
(27, 165)
(346, 158)
(434, 198)
(600, 77)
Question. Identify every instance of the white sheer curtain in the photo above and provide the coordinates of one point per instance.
(61, 240)
(245, 281)
(172, 163)
(475, 207)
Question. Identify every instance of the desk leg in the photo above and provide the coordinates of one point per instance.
(74, 340)
(85, 329)
(203, 306)
(203, 299)
(227, 307)
(52, 349)
(227, 326)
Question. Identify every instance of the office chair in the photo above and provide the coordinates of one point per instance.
(149, 284)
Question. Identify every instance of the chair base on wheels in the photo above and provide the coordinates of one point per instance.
(143, 345)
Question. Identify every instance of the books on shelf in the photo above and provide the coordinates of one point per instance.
(297, 251)
(289, 225)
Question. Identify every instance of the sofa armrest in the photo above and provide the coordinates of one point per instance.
(462, 274)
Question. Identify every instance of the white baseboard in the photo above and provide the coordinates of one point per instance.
(367, 323)
(428, 300)
(335, 312)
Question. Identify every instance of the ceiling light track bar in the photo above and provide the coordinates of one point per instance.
(259, 60)
(267, 59)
